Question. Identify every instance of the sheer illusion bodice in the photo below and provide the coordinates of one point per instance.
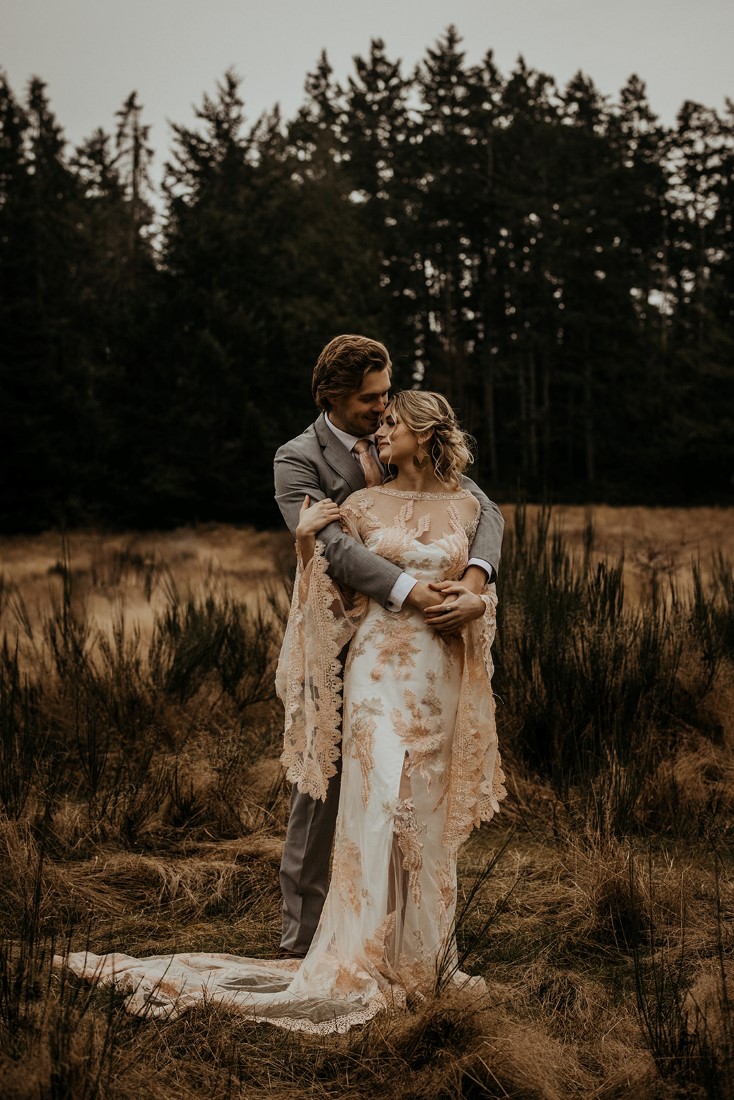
(420, 768)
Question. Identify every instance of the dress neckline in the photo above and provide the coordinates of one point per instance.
(458, 494)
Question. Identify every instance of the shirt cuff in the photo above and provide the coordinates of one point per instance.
(488, 569)
(399, 591)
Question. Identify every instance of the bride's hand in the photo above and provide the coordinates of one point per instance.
(313, 517)
(458, 607)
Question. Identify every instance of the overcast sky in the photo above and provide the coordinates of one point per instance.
(92, 53)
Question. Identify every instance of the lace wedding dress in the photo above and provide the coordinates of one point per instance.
(420, 769)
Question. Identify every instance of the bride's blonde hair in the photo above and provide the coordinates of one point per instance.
(427, 413)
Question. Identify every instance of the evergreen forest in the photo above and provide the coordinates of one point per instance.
(559, 264)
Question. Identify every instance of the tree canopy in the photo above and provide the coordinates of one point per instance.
(559, 264)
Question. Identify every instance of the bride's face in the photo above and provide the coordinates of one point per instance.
(396, 443)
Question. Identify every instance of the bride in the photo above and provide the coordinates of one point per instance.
(419, 747)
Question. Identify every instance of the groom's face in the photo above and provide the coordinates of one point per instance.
(359, 413)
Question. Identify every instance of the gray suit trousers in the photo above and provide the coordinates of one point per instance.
(304, 867)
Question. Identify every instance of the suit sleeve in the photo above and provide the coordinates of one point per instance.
(487, 542)
(349, 562)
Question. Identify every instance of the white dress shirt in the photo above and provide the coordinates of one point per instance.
(404, 584)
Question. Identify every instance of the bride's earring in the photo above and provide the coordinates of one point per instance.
(420, 460)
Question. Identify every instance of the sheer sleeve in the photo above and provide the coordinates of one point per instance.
(357, 515)
(322, 620)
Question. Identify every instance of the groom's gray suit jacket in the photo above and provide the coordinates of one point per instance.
(318, 464)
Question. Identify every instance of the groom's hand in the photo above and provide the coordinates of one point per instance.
(458, 607)
(420, 596)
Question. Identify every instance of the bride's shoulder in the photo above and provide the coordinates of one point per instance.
(355, 500)
(360, 502)
(357, 513)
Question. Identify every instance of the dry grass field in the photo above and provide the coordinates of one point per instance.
(653, 541)
(142, 808)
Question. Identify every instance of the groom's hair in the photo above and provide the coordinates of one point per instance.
(343, 364)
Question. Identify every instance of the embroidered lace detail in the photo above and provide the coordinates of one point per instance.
(308, 679)
(459, 494)
(408, 832)
(423, 739)
(476, 781)
(362, 726)
(357, 514)
(375, 948)
(396, 539)
(456, 544)
(339, 1025)
(346, 872)
(418, 978)
(393, 637)
(471, 527)
(431, 698)
(446, 882)
(399, 536)
(405, 515)
(393, 543)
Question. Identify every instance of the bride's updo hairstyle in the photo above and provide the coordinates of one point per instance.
(429, 414)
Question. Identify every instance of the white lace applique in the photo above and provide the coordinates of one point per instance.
(470, 528)
(375, 948)
(431, 700)
(393, 542)
(396, 649)
(362, 726)
(418, 978)
(357, 515)
(446, 879)
(346, 872)
(456, 543)
(422, 737)
(408, 832)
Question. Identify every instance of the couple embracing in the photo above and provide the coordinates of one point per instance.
(390, 738)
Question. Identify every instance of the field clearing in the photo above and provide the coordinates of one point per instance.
(143, 810)
(655, 542)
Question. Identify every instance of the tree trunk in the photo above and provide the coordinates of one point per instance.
(489, 419)
(588, 411)
(532, 415)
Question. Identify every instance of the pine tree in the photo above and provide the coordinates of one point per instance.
(45, 387)
(375, 126)
(17, 301)
(523, 245)
(442, 255)
(205, 438)
(701, 339)
(120, 287)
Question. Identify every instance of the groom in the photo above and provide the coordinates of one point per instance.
(333, 458)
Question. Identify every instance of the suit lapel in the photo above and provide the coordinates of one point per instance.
(337, 455)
